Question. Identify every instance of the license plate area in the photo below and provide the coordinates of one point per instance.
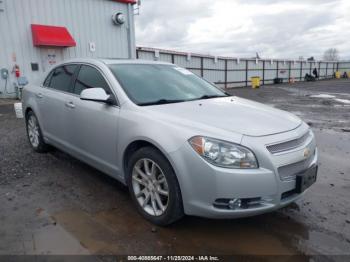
(306, 179)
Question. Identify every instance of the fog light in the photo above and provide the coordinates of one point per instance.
(235, 203)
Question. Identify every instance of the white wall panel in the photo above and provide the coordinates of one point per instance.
(210, 63)
(254, 73)
(86, 20)
(235, 64)
(236, 74)
(165, 58)
(194, 62)
(214, 76)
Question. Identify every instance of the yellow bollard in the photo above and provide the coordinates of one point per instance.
(255, 82)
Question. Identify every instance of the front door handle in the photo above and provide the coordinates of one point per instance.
(70, 105)
(39, 95)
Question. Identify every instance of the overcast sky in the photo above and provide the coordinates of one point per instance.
(277, 29)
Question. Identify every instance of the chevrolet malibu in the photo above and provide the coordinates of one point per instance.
(180, 144)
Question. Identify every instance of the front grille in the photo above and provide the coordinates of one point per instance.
(289, 172)
(289, 145)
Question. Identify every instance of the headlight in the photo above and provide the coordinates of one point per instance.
(223, 154)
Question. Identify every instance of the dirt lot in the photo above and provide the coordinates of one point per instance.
(54, 204)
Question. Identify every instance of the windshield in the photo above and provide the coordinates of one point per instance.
(149, 84)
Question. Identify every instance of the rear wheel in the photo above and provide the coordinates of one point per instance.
(154, 187)
(34, 133)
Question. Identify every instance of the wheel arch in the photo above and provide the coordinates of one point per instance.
(28, 109)
(136, 145)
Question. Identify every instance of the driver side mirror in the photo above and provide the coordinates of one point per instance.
(97, 94)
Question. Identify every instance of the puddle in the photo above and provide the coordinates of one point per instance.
(326, 244)
(51, 240)
(322, 96)
(123, 231)
(341, 106)
(344, 101)
(112, 232)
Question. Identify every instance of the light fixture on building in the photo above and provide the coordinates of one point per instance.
(118, 18)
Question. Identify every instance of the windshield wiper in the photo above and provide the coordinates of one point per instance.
(161, 102)
(164, 101)
(210, 96)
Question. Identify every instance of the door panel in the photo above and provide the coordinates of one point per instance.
(53, 114)
(92, 126)
(53, 98)
(92, 133)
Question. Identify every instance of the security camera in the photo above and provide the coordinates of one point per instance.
(118, 18)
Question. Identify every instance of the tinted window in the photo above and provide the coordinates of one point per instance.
(146, 83)
(62, 78)
(48, 79)
(90, 77)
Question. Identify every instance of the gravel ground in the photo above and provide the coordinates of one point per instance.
(54, 204)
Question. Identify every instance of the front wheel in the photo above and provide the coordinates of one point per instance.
(154, 187)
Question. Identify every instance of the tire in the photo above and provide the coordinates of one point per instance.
(160, 181)
(34, 134)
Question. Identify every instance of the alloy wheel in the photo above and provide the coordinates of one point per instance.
(33, 131)
(150, 187)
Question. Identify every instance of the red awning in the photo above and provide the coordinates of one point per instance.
(44, 35)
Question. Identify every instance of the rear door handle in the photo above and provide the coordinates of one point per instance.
(70, 105)
(39, 95)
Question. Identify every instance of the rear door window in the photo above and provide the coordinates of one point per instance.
(90, 77)
(62, 78)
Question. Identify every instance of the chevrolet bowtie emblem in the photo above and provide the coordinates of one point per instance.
(306, 152)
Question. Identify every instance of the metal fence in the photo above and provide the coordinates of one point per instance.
(228, 72)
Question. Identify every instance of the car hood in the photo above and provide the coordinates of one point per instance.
(232, 114)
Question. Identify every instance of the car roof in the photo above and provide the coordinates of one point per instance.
(111, 61)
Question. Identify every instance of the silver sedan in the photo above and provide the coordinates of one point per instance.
(181, 145)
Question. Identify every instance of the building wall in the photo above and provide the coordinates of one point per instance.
(232, 72)
(86, 20)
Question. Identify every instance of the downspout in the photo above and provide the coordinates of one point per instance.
(131, 33)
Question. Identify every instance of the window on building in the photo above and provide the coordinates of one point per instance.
(90, 77)
(62, 78)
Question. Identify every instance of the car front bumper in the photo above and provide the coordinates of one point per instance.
(207, 189)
